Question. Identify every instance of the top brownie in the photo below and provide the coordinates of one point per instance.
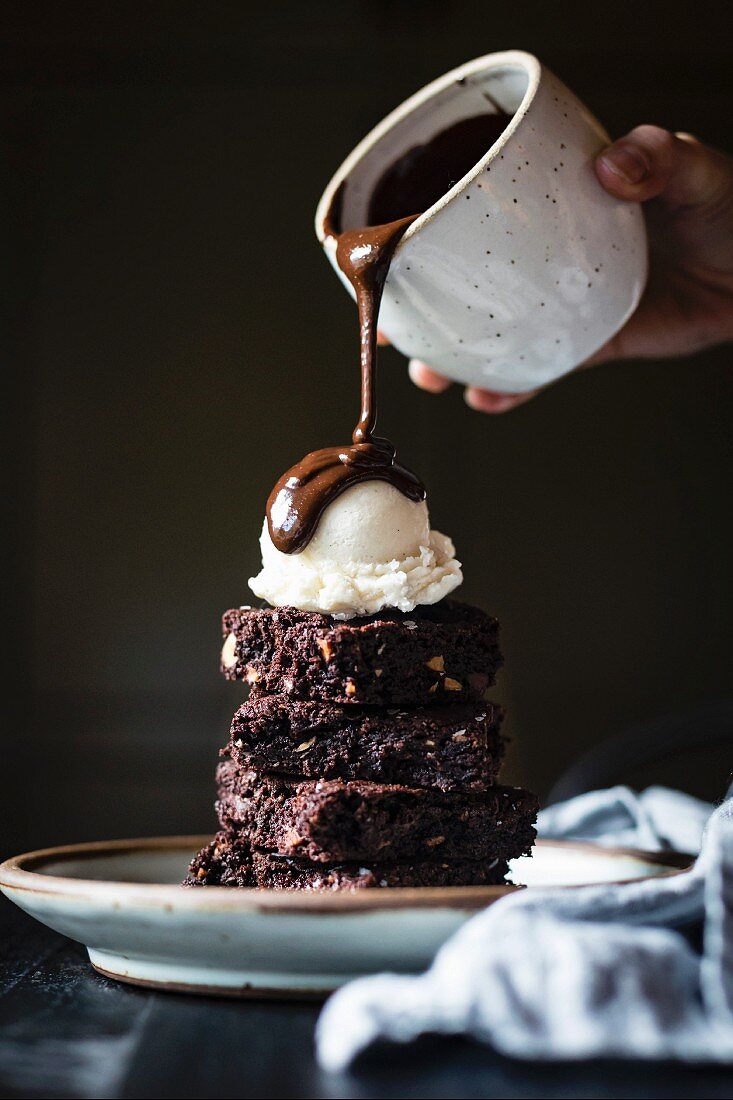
(447, 652)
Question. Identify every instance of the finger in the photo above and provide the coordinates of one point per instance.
(489, 402)
(651, 162)
(426, 378)
(382, 340)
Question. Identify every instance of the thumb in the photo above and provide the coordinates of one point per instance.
(653, 163)
(690, 219)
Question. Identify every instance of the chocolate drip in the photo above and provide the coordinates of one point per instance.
(302, 494)
(364, 256)
(413, 183)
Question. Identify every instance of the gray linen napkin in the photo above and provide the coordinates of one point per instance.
(598, 971)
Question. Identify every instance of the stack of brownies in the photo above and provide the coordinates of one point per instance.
(365, 755)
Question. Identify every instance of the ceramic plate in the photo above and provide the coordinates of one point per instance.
(122, 900)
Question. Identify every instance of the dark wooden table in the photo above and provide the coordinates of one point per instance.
(66, 1032)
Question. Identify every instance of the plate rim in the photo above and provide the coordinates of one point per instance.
(20, 874)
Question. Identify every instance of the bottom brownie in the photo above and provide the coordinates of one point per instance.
(228, 861)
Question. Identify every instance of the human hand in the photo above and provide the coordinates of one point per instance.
(687, 189)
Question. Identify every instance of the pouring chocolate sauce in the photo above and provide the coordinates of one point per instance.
(411, 185)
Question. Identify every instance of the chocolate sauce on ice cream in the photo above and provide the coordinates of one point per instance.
(406, 189)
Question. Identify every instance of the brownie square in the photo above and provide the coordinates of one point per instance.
(448, 652)
(228, 861)
(449, 748)
(335, 821)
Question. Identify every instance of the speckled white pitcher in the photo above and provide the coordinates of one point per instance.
(518, 286)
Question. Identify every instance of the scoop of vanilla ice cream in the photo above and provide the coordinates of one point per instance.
(372, 549)
(370, 522)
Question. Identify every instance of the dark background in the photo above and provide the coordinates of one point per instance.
(176, 340)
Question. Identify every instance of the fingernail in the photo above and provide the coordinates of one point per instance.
(626, 161)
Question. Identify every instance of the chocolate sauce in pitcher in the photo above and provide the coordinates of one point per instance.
(408, 187)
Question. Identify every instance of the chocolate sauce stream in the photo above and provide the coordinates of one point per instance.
(303, 493)
(364, 256)
(414, 182)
